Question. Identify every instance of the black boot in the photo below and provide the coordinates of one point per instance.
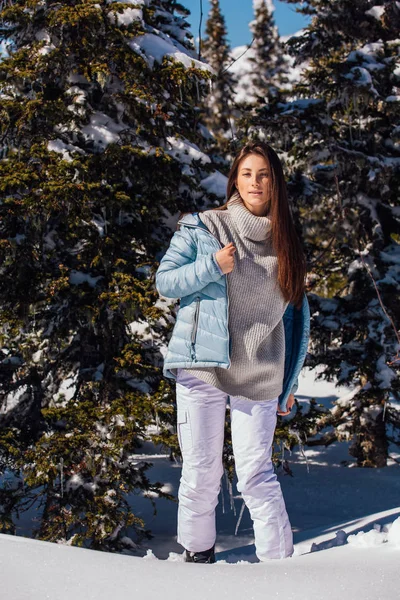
(207, 556)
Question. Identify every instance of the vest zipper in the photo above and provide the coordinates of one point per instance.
(227, 293)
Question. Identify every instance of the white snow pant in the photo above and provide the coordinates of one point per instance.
(200, 426)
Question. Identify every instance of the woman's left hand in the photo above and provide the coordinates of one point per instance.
(289, 405)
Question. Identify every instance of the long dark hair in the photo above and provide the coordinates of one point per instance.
(292, 267)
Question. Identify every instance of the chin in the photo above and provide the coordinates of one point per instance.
(256, 201)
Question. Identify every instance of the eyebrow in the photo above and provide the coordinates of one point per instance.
(248, 169)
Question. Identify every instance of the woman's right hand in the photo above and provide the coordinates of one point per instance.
(225, 257)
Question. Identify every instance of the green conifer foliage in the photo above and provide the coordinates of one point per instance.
(266, 58)
(219, 108)
(98, 121)
(340, 138)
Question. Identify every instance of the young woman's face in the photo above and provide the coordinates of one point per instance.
(253, 183)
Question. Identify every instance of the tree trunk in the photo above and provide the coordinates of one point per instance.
(370, 446)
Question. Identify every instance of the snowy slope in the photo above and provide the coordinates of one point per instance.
(346, 545)
(33, 570)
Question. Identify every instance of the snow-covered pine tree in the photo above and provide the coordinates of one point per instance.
(98, 149)
(267, 63)
(218, 106)
(341, 138)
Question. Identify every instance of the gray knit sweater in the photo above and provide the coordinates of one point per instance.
(256, 306)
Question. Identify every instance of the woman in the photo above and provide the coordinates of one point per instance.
(254, 362)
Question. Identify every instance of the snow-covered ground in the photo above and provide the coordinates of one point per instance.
(345, 520)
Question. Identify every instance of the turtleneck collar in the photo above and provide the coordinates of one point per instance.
(249, 226)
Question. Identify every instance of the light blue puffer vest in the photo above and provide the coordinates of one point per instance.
(189, 271)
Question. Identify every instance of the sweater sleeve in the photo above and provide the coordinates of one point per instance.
(216, 262)
(181, 272)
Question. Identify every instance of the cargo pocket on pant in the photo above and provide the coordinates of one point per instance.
(184, 429)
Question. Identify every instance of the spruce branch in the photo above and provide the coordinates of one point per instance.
(240, 56)
(397, 357)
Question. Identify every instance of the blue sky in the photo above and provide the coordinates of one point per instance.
(238, 14)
